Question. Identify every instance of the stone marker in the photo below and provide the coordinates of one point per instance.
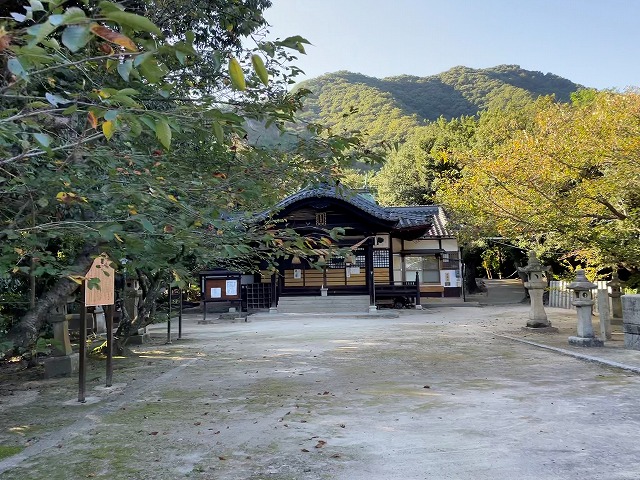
(631, 321)
(583, 302)
(537, 282)
(616, 304)
(62, 361)
(603, 313)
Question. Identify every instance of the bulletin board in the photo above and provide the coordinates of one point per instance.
(221, 289)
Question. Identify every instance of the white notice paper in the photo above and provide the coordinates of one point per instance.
(232, 288)
(216, 293)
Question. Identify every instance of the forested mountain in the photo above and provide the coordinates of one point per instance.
(388, 108)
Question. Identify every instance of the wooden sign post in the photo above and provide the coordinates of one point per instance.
(96, 292)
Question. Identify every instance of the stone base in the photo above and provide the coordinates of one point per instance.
(538, 324)
(61, 366)
(139, 339)
(273, 310)
(548, 329)
(206, 322)
(418, 307)
(586, 341)
(632, 341)
(232, 316)
(373, 309)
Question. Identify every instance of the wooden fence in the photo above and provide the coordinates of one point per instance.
(560, 295)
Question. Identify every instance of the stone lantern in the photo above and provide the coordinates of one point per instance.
(536, 283)
(616, 302)
(583, 301)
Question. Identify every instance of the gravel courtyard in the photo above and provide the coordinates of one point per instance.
(434, 394)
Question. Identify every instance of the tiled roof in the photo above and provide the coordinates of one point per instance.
(340, 193)
(411, 217)
(439, 222)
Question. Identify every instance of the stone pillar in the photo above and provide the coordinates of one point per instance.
(535, 284)
(132, 296)
(631, 321)
(63, 361)
(583, 302)
(603, 313)
(616, 303)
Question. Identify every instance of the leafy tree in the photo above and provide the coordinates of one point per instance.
(566, 180)
(114, 140)
(412, 174)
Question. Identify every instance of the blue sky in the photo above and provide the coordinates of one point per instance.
(595, 43)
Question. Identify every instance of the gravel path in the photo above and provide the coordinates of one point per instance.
(436, 394)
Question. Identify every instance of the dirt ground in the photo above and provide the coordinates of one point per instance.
(443, 393)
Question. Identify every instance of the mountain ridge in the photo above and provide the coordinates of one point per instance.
(386, 108)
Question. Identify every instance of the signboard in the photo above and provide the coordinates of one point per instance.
(231, 288)
(103, 291)
(221, 289)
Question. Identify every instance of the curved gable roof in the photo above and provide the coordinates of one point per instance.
(401, 218)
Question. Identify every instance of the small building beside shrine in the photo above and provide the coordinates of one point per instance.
(398, 256)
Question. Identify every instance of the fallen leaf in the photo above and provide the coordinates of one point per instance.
(153, 433)
(197, 423)
(304, 450)
(321, 443)
(222, 458)
(335, 455)
(426, 386)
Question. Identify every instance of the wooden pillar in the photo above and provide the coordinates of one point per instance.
(368, 251)
(274, 298)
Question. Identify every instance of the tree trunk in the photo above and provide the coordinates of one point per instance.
(150, 285)
(26, 331)
(471, 258)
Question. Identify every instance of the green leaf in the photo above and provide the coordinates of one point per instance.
(152, 71)
(18, 17)
(74, 15)
(111, 115)
(36, 6)
(295, 43)
(74, 37)
(163, 132)
(56, 100)
(146, 224)
(124, 69)
(43, 139)
(16, 68)
(135, 126)
(110, 7)
(261, 71)
(40, 31)
(70, 110)
(71, 16)
(149, 122)
(135, 22)
(108, 231)
(236, 74)
(140, 59)
(218, 132)
(181, 57)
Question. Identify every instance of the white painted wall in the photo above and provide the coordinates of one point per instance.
(421, 244)
(449, 276)
(450, 245)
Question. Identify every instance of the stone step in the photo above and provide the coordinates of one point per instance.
(328, 304)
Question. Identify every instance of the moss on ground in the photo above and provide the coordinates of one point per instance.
(9, 450)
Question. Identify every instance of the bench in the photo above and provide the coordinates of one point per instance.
(432, 289)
